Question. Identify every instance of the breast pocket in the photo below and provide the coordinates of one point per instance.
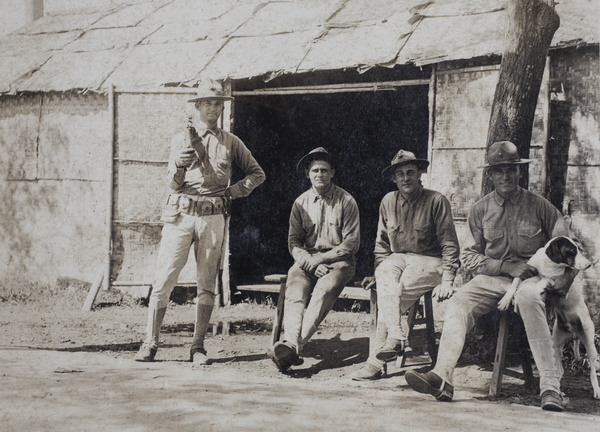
(492, 234)
(531, 238)
(423, 232)
(335, 231)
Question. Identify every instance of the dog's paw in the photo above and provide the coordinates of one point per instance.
(504, 304)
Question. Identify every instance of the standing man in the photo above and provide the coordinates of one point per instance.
(507, 227)
(416, 251)
(323, 237)
(199, 173)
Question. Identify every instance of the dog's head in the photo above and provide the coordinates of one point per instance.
(563, 250)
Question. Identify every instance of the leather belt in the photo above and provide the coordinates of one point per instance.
(199, 206)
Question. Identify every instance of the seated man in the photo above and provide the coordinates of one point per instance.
(416, 250)
(324, 235)
(507, 227)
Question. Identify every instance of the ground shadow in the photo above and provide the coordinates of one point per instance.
(124, 347)
(333, 353)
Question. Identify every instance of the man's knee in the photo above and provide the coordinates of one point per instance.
(529, 295)
(206, 298)
(458, 314)
(387, 272)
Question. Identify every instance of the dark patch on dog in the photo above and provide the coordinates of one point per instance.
(562, 251)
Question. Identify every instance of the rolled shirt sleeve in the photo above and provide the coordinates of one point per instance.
(255, 175)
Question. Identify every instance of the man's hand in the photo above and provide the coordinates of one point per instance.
(444, 291)
(310, 264)
(322, 270)
(519, 270)
(186, 157)
(368, 282)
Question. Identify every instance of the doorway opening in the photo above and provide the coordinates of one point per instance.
(363, 130)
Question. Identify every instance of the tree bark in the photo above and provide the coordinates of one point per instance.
(531, 26)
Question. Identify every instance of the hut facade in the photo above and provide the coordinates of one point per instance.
(91, 97)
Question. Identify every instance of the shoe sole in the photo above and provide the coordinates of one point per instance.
(552, 407)
(421, 385)
(283, 356)
(146, 359)
(370, 378)
(388, 355)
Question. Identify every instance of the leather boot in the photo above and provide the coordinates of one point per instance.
(197, 352)
(150, 346)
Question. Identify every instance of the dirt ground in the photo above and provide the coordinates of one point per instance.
(65, 369)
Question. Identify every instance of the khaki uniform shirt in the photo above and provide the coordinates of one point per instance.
(422, 225)
(507, 229)
(324, 223)
(211, 174)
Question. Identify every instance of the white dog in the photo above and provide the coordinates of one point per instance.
(572, 315)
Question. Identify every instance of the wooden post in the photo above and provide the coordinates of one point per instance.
(531, 26)
(110, 183)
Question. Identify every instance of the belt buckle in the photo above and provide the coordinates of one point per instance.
(207, 208)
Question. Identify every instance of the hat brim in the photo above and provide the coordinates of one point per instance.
(520, 162)
(420, 163)
(307, 159)
(226, 98)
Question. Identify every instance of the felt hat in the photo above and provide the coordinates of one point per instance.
(503, 153)
(315, 154)
(404, 157)
(210, 89)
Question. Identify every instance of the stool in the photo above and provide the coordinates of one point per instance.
(506, 318)
(281, 279)
(427, 319)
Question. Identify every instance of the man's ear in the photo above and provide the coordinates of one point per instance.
(332, 172)
(306, 173)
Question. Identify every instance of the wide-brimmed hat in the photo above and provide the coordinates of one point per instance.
(404, 157)
(315, 154)
(210, 89)
(503, 153)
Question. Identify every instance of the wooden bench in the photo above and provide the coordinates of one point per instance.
(277, 285)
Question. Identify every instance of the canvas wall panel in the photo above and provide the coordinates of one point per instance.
(54, 192)
(74, 137)
(463, 103)
(145, 125)
(52, 229)
(140, 191)
(19, 126)
(147, 122)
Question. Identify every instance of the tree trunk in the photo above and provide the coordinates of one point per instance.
(531, 26)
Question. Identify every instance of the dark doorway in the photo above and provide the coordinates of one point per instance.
(364, 130)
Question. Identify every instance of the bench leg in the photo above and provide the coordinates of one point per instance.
(412, 313)
(279, 315)
(500, 357)
(373, 309)
(431, 345)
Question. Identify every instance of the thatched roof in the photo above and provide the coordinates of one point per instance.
(152, 43)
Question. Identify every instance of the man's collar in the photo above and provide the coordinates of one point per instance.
(414, 197)
(314, 195)
(202, 128)
(514, 198)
